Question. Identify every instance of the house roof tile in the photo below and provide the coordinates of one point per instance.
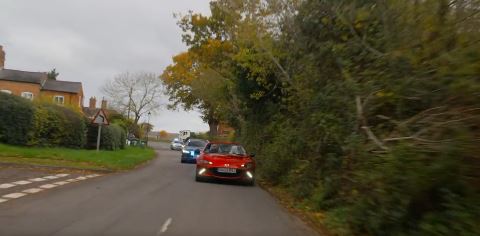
(62, 86)
(23, 76)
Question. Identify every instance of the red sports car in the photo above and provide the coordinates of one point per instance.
(229, 161)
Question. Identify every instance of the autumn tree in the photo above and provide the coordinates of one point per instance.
(163, 134)
(366, 110)
(206, 75)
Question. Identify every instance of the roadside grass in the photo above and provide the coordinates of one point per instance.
(77, 158)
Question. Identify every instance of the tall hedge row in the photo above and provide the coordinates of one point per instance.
(58, 126)
(16, 119)
(41, 124)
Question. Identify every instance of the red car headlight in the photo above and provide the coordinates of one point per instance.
(247, 165)
(204, 162)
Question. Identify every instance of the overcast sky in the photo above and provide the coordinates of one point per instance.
(91, 41)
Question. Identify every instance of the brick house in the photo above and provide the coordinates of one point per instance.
(92, 109)
(37, 86)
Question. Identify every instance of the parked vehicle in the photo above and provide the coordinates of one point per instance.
(192, 149)
(176, 144)
(229, 161)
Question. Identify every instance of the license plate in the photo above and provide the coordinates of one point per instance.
(227, 170)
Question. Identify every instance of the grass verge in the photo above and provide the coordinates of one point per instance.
(76, 158)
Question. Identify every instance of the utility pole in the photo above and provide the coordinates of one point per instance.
(148, 125)
(129, 102)
(128, 111)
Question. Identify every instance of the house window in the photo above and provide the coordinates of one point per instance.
(58, 100)
(6, 91)
(27, 95)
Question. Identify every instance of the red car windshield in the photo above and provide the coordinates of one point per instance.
(223, 148)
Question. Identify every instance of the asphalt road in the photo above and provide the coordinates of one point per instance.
(161, 198)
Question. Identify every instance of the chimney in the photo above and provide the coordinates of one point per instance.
(104, 103)
(2, 57)
(93, 103)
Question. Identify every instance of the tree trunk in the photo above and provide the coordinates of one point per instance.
(213, 124)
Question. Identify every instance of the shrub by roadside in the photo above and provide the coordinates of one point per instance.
(57, 126)
(40, 124)
(16, 119)
(112, 138)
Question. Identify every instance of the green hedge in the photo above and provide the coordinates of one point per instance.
(113, 137)
(58, 126)
(16, 119)
(39, 124)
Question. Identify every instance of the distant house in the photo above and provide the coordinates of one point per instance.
(92, 109)
(37, 86)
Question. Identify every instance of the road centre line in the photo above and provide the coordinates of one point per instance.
(164, 227)
(3, 200)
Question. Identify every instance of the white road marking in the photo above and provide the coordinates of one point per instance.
(46, 186)
(32, 190)
(7, 185)
(14, 195)
(42, 187)
(51, 177)
(22, 182)
(71, 180)
(92, 176)
(164, 227)
(37, 179)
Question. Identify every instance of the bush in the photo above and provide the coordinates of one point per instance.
(16, 119)
(113, 137)
(57, 126)
(38, 124)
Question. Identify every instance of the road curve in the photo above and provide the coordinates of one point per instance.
(161, 198)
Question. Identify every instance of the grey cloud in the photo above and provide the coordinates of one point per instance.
(93, 40)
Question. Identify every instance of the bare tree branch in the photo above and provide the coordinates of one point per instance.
(138, 93)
